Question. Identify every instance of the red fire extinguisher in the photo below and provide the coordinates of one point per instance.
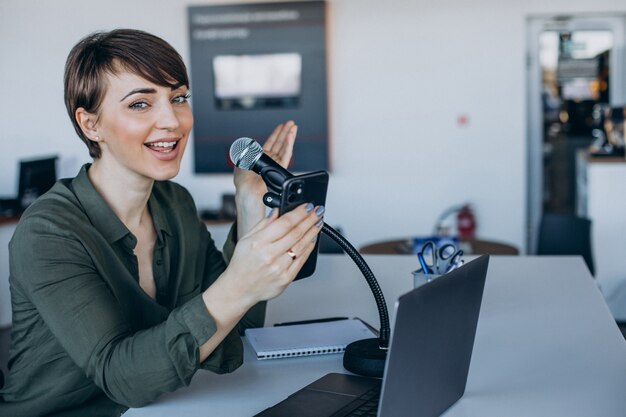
(466, 223)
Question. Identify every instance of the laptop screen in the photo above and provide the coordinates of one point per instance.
(432, 343)
(428, 361)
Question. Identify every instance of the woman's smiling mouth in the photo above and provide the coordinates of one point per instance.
(162, 146)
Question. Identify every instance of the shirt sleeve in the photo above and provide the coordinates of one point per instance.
(231, 241)
(79, 308)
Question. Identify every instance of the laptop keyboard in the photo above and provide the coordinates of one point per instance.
(364, 406)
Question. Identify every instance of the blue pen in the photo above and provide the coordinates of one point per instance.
(420, 258)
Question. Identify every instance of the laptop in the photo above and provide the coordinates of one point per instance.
(35, 178)
(427, 363)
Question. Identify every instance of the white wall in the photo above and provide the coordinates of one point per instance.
(400, 73)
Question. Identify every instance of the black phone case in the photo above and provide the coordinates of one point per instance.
(306, 188)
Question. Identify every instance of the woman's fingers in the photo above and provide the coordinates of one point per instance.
(280, 143)
(291, 232)
(302, 233)
(283, 225)
(269, 142)
(301, 246)
(292, 260)
(266, 260)
(301, 257)
(274, 143)
(271, 216)
(283, 147)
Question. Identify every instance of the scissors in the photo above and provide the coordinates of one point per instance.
(449, 258)
(439, 261)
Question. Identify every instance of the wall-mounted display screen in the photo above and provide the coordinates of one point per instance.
(253, 66)
(257, 81)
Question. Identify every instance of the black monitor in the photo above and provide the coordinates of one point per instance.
(36, 177)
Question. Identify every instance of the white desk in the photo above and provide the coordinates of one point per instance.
(546, 343)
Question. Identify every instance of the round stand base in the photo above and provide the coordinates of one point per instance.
(365, 357)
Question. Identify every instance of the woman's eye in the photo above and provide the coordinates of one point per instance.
(182, 98)
(138, 105)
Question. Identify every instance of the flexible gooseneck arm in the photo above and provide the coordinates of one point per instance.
(371, 281)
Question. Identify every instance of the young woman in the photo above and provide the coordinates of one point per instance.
(118, 292)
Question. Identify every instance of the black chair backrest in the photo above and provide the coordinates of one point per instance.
(566, 234)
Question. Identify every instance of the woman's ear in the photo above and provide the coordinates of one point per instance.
(87, 122)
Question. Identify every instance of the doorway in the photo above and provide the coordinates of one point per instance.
(575, 73)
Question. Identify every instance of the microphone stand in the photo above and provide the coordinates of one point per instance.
(365, 357)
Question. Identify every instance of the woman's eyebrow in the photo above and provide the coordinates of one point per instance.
(140, 91)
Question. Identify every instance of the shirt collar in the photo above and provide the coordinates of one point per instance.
(104, 219)
(98, 211)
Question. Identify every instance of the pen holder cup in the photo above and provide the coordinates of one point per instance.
(419, 278)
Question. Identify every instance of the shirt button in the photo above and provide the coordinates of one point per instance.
(159, 262)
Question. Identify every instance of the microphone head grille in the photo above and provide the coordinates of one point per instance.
(244, 152)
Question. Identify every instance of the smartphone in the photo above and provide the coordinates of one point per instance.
(305, 188)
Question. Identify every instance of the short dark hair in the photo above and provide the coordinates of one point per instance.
(103, 53)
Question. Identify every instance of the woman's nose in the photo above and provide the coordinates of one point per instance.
(167, 118)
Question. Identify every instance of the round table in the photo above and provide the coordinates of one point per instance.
(470, 247)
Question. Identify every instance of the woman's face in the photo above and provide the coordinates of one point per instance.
(143, 127)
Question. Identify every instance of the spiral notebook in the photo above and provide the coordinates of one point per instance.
(306, 339)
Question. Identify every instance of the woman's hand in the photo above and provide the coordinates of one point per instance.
(266, 260)
(250, 187)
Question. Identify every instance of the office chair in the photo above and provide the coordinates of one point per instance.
(566, 234)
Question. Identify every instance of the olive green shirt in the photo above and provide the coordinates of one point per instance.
(86, 339)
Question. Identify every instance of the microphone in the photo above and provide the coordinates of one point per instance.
(247, 154)
(362, 357)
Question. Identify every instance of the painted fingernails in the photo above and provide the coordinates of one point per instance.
(320, 210)
(270, 213)
(309, 207)
(319, 223)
